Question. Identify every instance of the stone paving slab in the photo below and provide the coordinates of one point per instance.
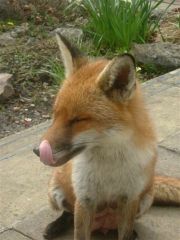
(2, 228)
(12, 235)
(170, 79)
(159, 224)
(21, 141)
(34, 224)
(161, 83)
(165, 111)
(23, 184)
(172, 142)
(168, 163)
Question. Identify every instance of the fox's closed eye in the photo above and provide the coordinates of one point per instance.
(78, 119)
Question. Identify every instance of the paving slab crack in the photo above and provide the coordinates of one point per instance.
(4, 230)
(25, 235)
(169, 149)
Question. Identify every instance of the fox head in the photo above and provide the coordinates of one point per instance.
(98, 96)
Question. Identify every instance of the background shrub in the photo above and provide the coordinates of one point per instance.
(118, 24)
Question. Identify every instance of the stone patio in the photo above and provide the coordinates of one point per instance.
(24, 210)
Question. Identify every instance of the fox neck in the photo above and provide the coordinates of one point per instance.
(116, 144)
(111, 169)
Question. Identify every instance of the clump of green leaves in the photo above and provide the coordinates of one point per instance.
(119, 23)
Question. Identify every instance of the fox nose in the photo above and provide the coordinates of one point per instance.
(36, 151)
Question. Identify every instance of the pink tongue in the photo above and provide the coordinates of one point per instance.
(46, 155)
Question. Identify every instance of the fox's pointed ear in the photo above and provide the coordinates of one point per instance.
(71, 56)
(117, 79)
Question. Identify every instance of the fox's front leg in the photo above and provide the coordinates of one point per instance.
(83, 222)
(127, 213)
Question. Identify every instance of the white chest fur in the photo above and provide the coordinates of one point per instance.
(111, 171)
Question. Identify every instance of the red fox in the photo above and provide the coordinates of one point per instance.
(103, 145)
